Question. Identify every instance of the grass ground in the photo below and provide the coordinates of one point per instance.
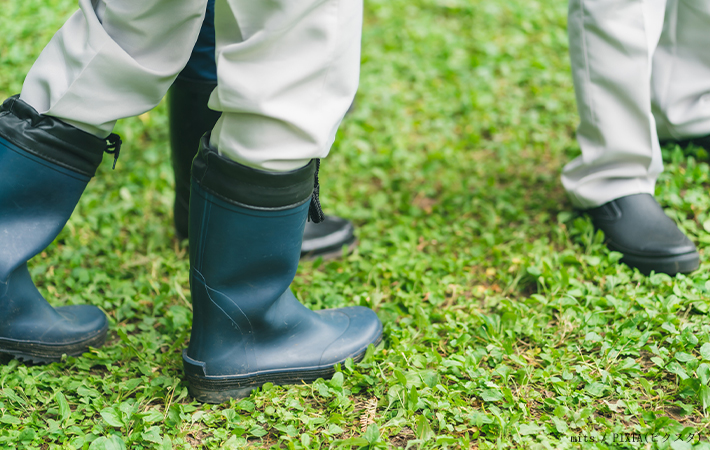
(507, 322)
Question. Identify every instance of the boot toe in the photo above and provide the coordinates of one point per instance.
(74, 324)
(81, 322)
(72, 331)
(364, 328)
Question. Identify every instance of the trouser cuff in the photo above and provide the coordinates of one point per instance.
(249, 187)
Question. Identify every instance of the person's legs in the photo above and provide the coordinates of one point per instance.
(113, 59)
(611, 49)
(190, 118)
(110, 60)
(681, 74)
(612, 44)
(287, 72)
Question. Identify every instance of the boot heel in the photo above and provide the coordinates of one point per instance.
(214, 389)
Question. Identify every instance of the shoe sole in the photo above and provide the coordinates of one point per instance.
(216, 390)
(40, 353)
(330, 253)
(670, 265)
(327, 253)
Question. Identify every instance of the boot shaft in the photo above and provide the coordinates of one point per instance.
(45, 166)
(244, 253)
(36, 201)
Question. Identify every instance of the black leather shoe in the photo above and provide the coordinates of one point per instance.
(326, 239)
(637, 227)
(190, 118)
(702, 141)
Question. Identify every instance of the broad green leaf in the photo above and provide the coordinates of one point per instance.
(674, 367)
(703, 372)
(27, 435)
(445, 440)
(337, 379)
(246, 405)
(704, 394)
(10, 419)
(593, 337)
(658, 361)
(681, 445)
(167, 444)
(705, 351)
(152, 435)
(372, 434)
(10, 394)
(560, 425)
(115, 443)
(258, 431)
(596, 389)
(334, 429)
(526, 429)
(354, 442)
(400, 377)
(112, 418)
(424, 431)
(152, 416)
(131, 384)
(684, 357)
(108, 443)
(492, 395)
(64, 409)
(305, 440)
(670, 328)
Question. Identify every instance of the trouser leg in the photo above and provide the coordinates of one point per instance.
(611, 50)
(190, 118)
(113, 59)
(287, 72)
(681, 72)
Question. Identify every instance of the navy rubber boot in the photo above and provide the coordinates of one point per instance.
(45, 166)
(190, 118)
(248, 328)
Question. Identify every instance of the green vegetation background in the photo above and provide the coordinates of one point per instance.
(507, 322)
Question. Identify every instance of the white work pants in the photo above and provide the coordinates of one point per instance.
(287, 70)
(641, 70)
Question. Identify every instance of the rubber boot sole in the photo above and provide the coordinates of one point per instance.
(670, 265)
(38, 353)
(220, 389)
